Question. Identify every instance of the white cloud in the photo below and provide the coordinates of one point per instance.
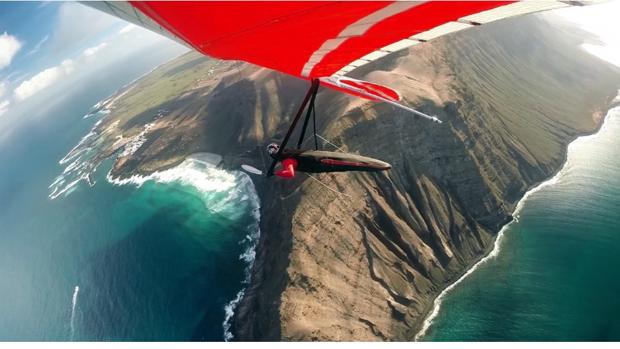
(127, 28)
(9, 46)
(68, 66)
(92, 50)
(3, 86)
(73, 37)
(43, 80)
(4, 106)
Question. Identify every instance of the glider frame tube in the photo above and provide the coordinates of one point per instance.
(310, 94)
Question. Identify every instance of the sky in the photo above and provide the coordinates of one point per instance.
(47, 48)
(602, 20)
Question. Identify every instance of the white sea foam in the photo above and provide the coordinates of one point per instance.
(58, 180)
(229, 310)
(102, 112)
(77, 170)
(197, 173)
(428, 322)
(76, 290)
(67, 189)
(136, 142)
(248, 256)
(80, 166)
(200, 172)
(78, 149)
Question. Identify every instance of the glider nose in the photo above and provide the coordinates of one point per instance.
(288, 169)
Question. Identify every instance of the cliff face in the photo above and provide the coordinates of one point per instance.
(367, 264)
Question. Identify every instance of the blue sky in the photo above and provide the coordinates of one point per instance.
(47, 48)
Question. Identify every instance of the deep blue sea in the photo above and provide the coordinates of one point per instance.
(556, 276)
(116, 262)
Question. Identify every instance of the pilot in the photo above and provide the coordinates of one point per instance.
(289, 164)
(272, 149)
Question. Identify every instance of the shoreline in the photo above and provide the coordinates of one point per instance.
(437, 302)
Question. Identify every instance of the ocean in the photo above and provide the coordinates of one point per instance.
(555, 273)
(156, 259)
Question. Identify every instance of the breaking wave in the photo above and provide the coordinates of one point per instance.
(195, 171)
(200, 172)
(102, 112)
(249, 255)
(81, 162)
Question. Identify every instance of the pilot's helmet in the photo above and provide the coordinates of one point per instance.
(273, 148)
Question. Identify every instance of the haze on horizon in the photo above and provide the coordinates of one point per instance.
(601, 20)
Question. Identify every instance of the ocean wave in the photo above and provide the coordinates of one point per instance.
(428, 322)
(67, 189)
(78, 149)
(200, 172)
(248, 256)
(74, 299)
(79, 169)
(229, 311)
(80, 161)
(102, 112)
(195, 172)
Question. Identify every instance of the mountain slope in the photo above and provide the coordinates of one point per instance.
(367, 266)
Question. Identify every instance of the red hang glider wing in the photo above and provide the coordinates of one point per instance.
(315, 39)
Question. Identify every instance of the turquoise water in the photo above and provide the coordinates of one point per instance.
(557, 275)
(155, 262)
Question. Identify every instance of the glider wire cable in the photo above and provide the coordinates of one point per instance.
(326, 186)
(316, 142)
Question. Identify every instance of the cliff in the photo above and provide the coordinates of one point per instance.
(367, 265)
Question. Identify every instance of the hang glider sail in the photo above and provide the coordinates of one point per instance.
(316, 39)
(321, 41)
